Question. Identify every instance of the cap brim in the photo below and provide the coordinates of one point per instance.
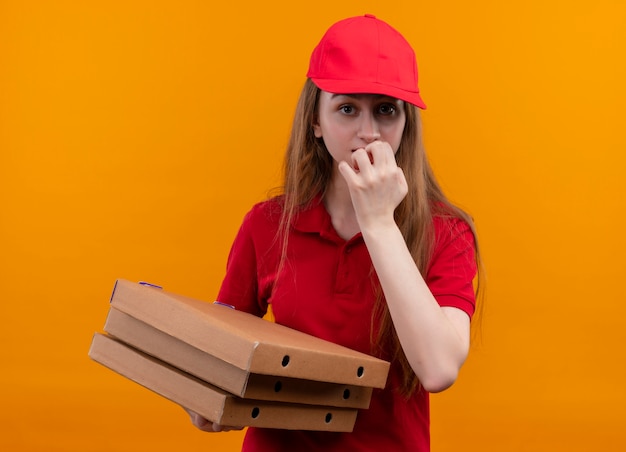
(366, 87)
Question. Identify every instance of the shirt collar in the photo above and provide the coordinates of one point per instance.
(315, 219)
(312, 218)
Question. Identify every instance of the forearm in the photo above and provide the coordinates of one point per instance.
(435, 341)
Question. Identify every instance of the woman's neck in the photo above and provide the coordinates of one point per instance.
(339, 206)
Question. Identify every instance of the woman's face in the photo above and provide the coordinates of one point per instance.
(347, 122)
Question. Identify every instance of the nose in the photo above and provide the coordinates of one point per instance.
(368, 128)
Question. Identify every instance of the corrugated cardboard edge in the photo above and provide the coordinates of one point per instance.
(172, 350)
(212, 403)
(163, 380)
(228, 377)
(184, 318)
(307, 391)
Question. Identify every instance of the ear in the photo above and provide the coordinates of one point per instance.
(317, 129)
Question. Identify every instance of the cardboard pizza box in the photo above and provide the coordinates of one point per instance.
(245, 343)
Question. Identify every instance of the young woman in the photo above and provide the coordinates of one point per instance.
(363, 248)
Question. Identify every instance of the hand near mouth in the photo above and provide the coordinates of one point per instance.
(377, 185)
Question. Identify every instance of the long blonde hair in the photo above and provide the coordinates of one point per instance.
(307, 172)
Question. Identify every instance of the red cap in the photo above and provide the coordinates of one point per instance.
(365, 55)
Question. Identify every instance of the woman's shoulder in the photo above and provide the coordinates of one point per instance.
(268, 211)
(451, 224)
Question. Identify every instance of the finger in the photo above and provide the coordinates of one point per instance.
(224, 428)
(199, 421)
(362, 160)
(347, 171)
(381, 153)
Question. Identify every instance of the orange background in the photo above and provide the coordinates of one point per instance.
(134, 135)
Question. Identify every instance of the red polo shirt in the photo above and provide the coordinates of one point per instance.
(327, 288)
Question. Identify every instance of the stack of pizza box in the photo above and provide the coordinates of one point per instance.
(231, 367)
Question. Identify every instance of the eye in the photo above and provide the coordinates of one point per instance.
(346, 109)
(387, 109)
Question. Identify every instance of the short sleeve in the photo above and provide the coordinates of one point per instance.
(452, 268)
(253, 260)
(240, 285)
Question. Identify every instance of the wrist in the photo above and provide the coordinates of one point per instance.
(380, 229)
